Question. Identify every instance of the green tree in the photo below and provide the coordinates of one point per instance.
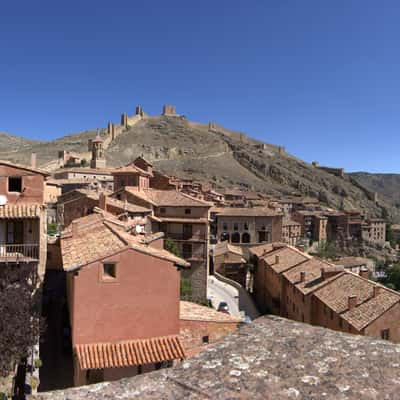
(172, 247)
(326, 249)
(390, 235)
(186, 289)
(393, 277)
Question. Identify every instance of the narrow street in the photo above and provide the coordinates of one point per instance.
(219, 291)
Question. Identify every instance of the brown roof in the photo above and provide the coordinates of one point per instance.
(184, 220)
(100, 235)
(226, 247)
(25, 167)
(247, 212)
(196, 312)
(288, 258)
(20, 211)
(352, 261)
(368, 308)
(80, 170)
(313, 278)
(129, 353)
(287, 222)
(265, 248)
(167, 198)
(131, 168)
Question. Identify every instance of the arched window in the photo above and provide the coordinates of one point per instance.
(224, 236)
(235, 238)
(246, 237)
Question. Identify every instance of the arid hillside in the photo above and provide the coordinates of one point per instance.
(224, 157)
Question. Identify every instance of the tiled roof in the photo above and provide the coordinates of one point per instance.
(132, 169)
(167, 198)
(352, 261)
(336, 294)
(184, 220)
(98, 236)
(20, 211)
(125, 206)
(288, 258)
(195, 312)
(79, 170)
(25, 167)
(226, 247)
(313, 278)
(247, 212)
(129, 353)
(265, 248)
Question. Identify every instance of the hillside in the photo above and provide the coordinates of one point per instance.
(387, 185)
(227, 158)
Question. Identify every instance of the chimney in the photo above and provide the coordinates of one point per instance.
(74, 226)
(276, 259)
(302, 276)
(364, 272)
(330, 271)
(33, 160)
(352, 302)
(377, 290)
(102, 201)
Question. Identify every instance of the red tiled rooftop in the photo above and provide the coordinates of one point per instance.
(129, 353)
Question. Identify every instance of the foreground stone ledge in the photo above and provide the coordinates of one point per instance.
(272, 358)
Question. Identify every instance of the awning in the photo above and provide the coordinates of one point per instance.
(129, 353)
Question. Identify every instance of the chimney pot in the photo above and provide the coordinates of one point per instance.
(364, 272)
(352, 302)
(377, 290)
(33, 160)
(302, 276)
(277, 259)
(102, 201)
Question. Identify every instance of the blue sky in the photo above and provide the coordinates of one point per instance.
(321, 78)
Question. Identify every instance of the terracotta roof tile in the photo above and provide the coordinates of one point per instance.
(131, 168)
(20, 211)
(195, 312)
(336, 294)
(129, 353)
(166, 198)
(288, 258)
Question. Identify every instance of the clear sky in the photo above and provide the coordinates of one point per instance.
(319, 77)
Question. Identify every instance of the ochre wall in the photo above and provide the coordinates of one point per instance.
(142, 302)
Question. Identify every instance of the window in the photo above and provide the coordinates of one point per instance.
(15, 184)
(385, 334)
(235, 226)
(162, 210)
(225, 226)
(205, 339)
(246, 237)
(188, 211)
(235, 237)
(109, 271)
(246, 226)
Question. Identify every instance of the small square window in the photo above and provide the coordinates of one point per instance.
(15, 184)
(205, 339)
(385, 334)
(188, 211)
(225, 227)
(109, 271)
(235, 226)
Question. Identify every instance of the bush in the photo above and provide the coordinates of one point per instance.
(186, 289)
(172, 247)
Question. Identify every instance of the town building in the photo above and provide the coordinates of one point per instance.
(98, 159)
(306, 289)
(229, 261)
(291, 231)
(357, 265)
(249, 226)
(23, 220)
(80, 202)
(374, 231)
(201, 326)
(123, 300)
(185, 221)
(313, 224)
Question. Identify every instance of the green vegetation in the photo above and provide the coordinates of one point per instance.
(392, 280)
(186, 289)
(172, 247)
(84, 163)
(52, 228)
(326, 249)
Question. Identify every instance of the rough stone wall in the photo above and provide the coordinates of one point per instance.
(197, 274)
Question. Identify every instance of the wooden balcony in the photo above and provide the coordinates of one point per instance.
(19, 252)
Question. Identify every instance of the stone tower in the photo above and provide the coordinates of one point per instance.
(169, 110)
(98, 157)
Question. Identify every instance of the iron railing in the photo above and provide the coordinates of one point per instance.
(18, 252)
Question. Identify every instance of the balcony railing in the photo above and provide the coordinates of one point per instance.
(18, 252)
(186, 236)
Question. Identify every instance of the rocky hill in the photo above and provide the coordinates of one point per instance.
(210, 153)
